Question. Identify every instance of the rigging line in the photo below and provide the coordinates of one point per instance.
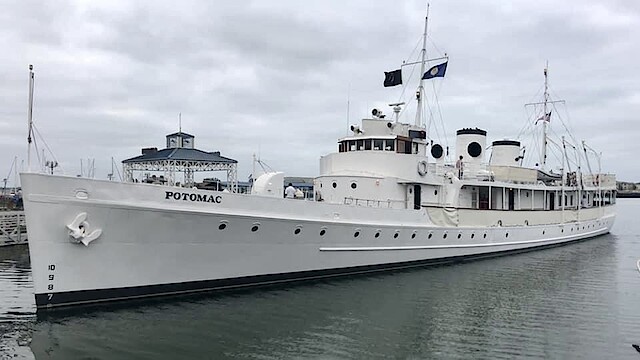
(13, 163)
(435, 94)
(47, 147)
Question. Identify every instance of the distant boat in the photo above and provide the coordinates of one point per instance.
(387, 199)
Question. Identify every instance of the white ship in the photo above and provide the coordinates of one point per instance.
(386, 199)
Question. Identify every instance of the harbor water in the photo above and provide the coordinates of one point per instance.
(579, 301)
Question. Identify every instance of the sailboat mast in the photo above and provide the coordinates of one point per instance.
(420, 92)
(30, 117)
(545, 119)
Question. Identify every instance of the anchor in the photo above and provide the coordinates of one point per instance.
(79, 230)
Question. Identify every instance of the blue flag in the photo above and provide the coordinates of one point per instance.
(436, 71)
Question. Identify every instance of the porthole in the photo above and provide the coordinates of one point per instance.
(543, 231)
(444, 236)
(334, 185)
(254, 228)
(430, 236)
(320, 184)
(561, 230)
(506, 235)
(484, 236)
(435, 192)
(437, 151)
(395, 236)
(222, 226)
(413, 236)
(474, 149)
(377, 235)
(473, 235)
(354, 185)
(297, 231)
(356, 234)
(459, 236)
(322, 232)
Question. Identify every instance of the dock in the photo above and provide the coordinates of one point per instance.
(13, 228)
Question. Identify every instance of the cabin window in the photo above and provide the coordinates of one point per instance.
(389, 145)
(352, 145)
(378, 144)
(367, 144)
(415, 148)
(342, 147)
(360, 144)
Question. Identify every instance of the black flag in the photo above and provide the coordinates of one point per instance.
(393, 78)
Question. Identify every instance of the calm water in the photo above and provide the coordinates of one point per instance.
(575, 301)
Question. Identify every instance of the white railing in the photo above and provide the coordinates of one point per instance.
(388, 204)
(13, 228)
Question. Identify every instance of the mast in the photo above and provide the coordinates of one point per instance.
(545, 119)
(546, 116)
(30, 117)
(420, 91)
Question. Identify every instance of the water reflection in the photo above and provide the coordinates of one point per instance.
(17, 307)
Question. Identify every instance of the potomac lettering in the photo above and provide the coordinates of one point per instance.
(192, 197)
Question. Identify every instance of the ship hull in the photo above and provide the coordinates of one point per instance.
(156, 240)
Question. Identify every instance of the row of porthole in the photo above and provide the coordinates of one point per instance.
(298, 230)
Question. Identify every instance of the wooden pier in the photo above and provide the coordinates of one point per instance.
(13, 228)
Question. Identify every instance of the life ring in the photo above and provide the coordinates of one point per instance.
(422, 168)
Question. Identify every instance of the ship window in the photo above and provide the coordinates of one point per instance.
(378, 144)
(352, 145)
(342, 147)
(322, 232)
(377, 234)
(413, 236)
(356, 234)
(389, 145)
(444, 236)
(473, 235)
(459, 236)
(484, 236)
(395, 236)
(296, 231)
(367, 144)
(430, 236)
(360, 144)
(222, 226)
(474, 149)
(354, 185)
(254, 228)
(334, 185)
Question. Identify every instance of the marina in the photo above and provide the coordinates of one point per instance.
(361, 180)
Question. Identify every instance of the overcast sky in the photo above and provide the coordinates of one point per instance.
(274, 77)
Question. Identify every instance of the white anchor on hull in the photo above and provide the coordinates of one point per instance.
(79, 230)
